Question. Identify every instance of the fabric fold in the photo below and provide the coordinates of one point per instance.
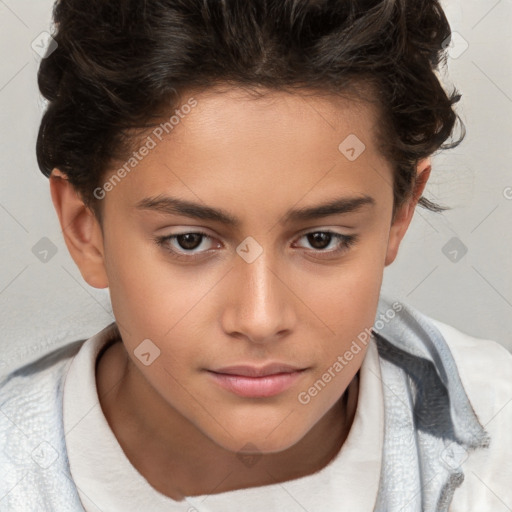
(430, 425)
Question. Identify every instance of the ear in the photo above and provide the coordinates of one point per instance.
(404, 215)
(81, 230)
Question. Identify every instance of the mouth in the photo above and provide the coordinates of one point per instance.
(253, 382)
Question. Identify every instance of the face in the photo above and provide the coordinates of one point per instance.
(249, 270)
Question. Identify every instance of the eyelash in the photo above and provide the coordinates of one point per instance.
(347, 241)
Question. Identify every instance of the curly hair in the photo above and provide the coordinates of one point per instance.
(121, 64)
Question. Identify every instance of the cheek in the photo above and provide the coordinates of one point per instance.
(154, 299)
(346, 299)
(347, 305)
(148, 293)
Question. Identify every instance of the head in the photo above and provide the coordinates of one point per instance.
(302, 132)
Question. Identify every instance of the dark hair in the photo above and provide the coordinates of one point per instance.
(119, 65)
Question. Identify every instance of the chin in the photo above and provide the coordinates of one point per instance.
(259, 442)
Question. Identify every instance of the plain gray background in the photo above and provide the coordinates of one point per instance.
(44, 303)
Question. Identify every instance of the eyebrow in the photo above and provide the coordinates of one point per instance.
(174, 206)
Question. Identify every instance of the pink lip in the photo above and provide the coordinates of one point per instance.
(252, 382)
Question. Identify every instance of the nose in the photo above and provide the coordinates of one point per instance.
(260, 306)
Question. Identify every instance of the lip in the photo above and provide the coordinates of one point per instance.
(245, 370)
(254, 382)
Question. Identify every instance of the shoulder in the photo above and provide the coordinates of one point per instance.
(32, 450)
(485, 370)
(482, 363)
(35, 373)
(29, 401)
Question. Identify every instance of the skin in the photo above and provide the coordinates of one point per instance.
(296, 303)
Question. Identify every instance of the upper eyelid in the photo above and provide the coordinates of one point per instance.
(312, 229)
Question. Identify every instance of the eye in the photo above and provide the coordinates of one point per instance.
(189, 246)
(182, 245)
(322, 240)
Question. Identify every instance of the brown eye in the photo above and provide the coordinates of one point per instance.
(189, 241)
(183, 245)
(319, 240)
(322, 244)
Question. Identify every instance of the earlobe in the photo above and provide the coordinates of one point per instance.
(81, 229)
(404, 215)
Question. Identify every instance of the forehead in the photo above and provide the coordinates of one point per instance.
(276, 147)
(260, 114)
